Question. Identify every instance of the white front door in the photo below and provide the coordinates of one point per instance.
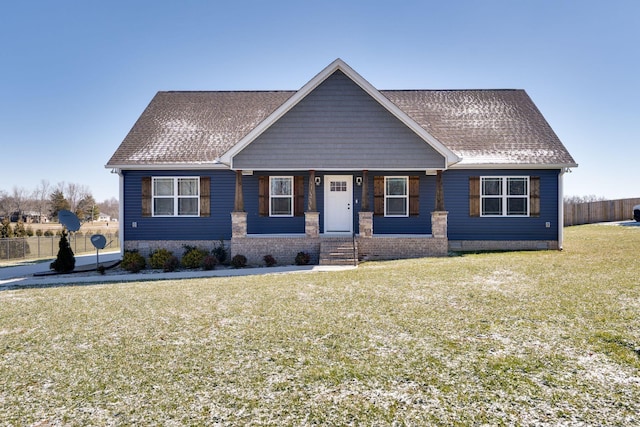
(338, 201)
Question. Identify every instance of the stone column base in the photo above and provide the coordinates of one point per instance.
(365, 219)
(439, 224)
(312, 224)
(238, 225)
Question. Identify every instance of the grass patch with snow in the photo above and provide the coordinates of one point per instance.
(515, 338)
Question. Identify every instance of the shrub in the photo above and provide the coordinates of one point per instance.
(132, 261)
(269, 260)
(29, 231)
(193, 257)
(171, 264)
(159, 257)
(48, 233)
(19, 230)
(209, 262)
(39, 232)
(220, 252)
(65, 261)
(302, 258)
(239, 261)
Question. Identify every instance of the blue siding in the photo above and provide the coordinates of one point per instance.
(456, 191)
(463, 227)
(420, 224)
(257, 224)
(215, 227)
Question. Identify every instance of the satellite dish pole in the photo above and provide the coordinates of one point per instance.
(99, 242)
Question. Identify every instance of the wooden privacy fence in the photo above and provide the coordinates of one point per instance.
(603, 211)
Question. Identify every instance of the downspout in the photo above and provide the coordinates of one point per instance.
(121, 211)
(561, 208)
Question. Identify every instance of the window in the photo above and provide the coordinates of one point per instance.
(396, 196)
(281, 196)
(176, 196)
(504, 196)
(338, 186)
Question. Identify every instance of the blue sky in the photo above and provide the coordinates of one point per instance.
(75, 75)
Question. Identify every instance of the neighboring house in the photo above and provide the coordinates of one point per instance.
(103, 217)
(341, 170)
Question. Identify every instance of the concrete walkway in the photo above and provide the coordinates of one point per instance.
(22, 276)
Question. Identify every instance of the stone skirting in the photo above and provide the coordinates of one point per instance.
(145, 247)
(398, 247)
(502, 245)
(283, 248)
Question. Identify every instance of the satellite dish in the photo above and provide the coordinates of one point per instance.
(69, 220)
(99, 241)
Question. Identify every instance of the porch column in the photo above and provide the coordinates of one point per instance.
(365, 192)
(365, 216)
(312, 216)
(311, 202)
(439, 192)
(238, 205)
(238, 216)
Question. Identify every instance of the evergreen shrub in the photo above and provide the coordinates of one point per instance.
(193, 257)
(220, 252)
(302, 258)
(239, 261)
(65, 261)
(269, 260)
(209, 262)
(171, 264)
(132, 261)
(159, 257)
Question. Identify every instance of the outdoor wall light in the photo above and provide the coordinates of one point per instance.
(318, 180)
(358, 181)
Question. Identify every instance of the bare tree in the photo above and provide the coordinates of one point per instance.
(5, 204)
(19, 199)
(74, 193)
(41, 196)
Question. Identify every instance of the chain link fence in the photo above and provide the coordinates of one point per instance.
(16, 248)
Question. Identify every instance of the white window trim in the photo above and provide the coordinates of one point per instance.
(271, 197)
(505, 197)
(406, 197)
(176, 197)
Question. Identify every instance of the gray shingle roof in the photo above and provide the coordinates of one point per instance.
(480, 126)
(485, 126)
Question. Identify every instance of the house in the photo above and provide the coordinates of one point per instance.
(343, 171)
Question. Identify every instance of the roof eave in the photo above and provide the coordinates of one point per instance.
(521, 166)
(169, 166)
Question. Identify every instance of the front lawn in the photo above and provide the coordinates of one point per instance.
(518, 338)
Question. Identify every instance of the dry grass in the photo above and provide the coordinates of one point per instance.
(520, 338)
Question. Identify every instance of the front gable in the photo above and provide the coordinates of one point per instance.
(338, 121)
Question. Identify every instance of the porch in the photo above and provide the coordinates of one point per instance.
(343, 248)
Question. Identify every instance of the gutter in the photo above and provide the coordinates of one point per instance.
(561, 208)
